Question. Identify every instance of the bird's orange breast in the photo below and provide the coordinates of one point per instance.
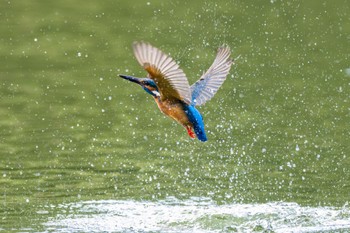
(175, 110)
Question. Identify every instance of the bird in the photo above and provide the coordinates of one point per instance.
(168, 85)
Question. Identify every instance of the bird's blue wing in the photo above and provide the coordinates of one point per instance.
(206, 87)
(170, 79)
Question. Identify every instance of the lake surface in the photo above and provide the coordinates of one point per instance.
(82, 150)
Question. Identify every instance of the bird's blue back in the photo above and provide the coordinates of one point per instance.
(197, 121)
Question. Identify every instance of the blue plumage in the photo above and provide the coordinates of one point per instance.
(197, 121)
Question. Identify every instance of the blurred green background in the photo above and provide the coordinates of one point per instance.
(71, 130)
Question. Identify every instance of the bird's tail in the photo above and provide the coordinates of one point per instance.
(200, 133)
(197, 121)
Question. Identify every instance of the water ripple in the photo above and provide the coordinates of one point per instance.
(195, 215)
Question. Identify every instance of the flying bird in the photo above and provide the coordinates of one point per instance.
(168, 85)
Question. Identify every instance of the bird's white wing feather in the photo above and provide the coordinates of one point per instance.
(170, 79)
(206, 87)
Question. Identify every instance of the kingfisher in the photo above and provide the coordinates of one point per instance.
(168, 85)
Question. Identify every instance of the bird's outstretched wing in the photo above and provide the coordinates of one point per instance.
(206, 87)
(170, 79)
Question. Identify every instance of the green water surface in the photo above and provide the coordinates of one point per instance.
(71, 130)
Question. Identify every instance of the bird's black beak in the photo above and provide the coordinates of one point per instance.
(131, 79)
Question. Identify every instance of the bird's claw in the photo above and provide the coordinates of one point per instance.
(190, 132)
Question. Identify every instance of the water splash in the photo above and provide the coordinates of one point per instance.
(195, 215)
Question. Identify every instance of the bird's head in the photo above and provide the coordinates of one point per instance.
(146, 83)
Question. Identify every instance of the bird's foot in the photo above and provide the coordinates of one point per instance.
(190, 132)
